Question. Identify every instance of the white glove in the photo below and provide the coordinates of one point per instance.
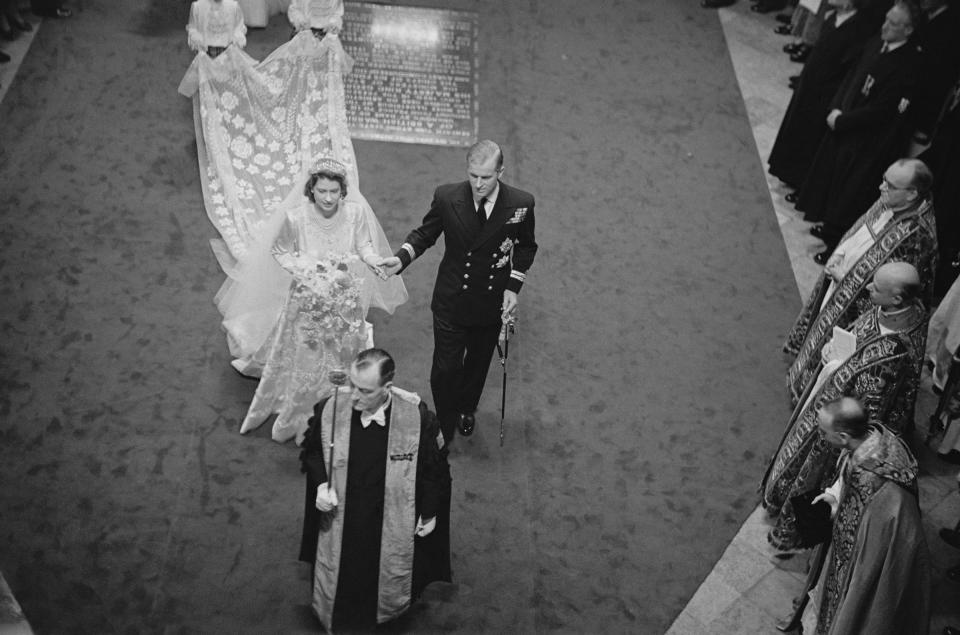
(829, 499)
(326, 498)
(424, 528)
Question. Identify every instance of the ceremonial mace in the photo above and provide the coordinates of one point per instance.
(337, 378)
(505, 332)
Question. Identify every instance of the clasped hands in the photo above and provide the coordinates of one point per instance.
(832, 118)
(326, 497)
(389, 266)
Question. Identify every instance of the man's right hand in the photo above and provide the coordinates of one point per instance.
(832, 268)
(830, 500)
(391, 265)
(832, 118)
(326, 498)
(826, 353)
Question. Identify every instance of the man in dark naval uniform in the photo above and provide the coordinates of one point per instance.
(488, 228)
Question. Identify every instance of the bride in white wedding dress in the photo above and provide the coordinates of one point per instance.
(260, 129)
(328, 249)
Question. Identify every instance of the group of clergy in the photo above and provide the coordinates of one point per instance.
(857, 351)
(881, 82)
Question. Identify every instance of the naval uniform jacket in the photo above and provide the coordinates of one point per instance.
(480, 261)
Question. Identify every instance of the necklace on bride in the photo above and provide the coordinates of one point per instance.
(327, 222)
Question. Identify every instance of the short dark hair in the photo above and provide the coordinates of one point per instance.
(324, 174)
(848, 415)
(381, 358)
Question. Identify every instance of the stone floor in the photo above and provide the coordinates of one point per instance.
(746, 592)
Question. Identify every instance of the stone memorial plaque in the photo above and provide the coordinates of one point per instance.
(414, 76)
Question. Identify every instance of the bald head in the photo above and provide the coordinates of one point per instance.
(895, 285)
(844, 416)
(918, 174)
(898, 278)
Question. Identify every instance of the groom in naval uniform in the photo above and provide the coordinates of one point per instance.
(488, 229)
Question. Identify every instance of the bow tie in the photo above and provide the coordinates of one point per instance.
(366, 419)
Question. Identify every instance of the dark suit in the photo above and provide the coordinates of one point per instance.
(871, 134)
(940, 50)
(805, 122)
(480, 261)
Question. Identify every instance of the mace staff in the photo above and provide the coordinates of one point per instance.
(504, 351)
(337, 378)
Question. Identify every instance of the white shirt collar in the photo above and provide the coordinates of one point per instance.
(893, 46)
(380, 416)
(491, 200)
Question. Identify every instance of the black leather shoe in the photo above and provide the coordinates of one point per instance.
(951, 537)
(715, 4)
(4, 58)
(802, 54)
(792, 47)
(783, 18)
(817, 230)
(783, 29)
(466, 424)
(792, 198)
(822, 257)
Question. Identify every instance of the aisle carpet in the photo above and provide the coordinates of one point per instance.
(645, 386)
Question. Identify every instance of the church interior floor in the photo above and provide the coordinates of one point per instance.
(129, 502)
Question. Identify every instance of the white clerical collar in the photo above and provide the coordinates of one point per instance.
(936, 12)
(886, 313)
(380, 416)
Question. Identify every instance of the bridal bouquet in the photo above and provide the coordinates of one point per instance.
(331, 312)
